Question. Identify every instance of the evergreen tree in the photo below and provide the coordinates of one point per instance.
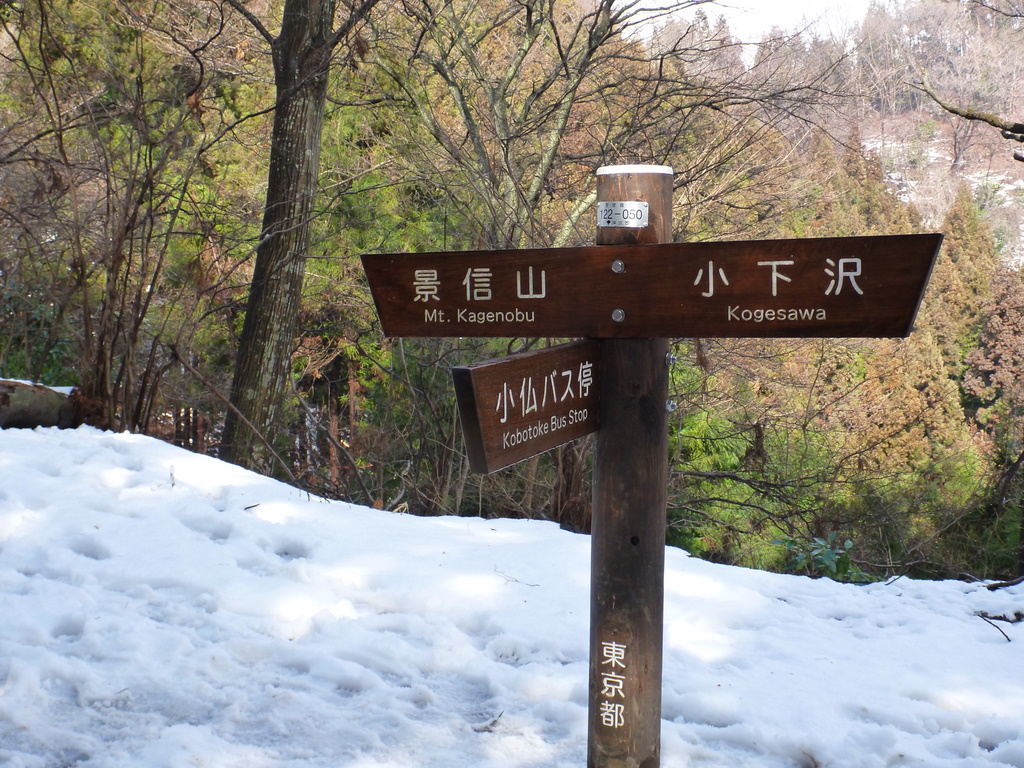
(959, 291)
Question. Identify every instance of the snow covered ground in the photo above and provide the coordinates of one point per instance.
(159, 608)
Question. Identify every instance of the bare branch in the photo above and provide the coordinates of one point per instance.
(1009, 129)
(252, 19)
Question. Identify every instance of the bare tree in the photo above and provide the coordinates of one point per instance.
(517, 105)
(969, 107)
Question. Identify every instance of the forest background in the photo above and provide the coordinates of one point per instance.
(136, 207)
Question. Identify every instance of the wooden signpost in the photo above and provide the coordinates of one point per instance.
(627, 295)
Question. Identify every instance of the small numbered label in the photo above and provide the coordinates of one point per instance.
(623, 214)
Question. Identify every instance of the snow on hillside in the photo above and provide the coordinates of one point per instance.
(159, 608)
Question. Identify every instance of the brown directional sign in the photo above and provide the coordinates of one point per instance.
(829, 287)
(524, 404)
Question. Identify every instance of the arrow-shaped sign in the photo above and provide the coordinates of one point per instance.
(828, 287)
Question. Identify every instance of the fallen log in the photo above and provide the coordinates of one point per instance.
(26, 406)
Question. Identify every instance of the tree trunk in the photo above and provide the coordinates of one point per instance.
(570, 504)
(302, 54)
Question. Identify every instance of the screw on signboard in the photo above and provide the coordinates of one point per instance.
(630, 482)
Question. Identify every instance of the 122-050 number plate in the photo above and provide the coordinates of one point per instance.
(629, 213)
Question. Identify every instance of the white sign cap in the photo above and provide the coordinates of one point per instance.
(617, 169)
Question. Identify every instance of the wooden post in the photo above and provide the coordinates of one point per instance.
(629, 498)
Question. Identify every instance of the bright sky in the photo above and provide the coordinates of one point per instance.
(749, 19)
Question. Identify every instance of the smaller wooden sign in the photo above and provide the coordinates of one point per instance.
(521, 405)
